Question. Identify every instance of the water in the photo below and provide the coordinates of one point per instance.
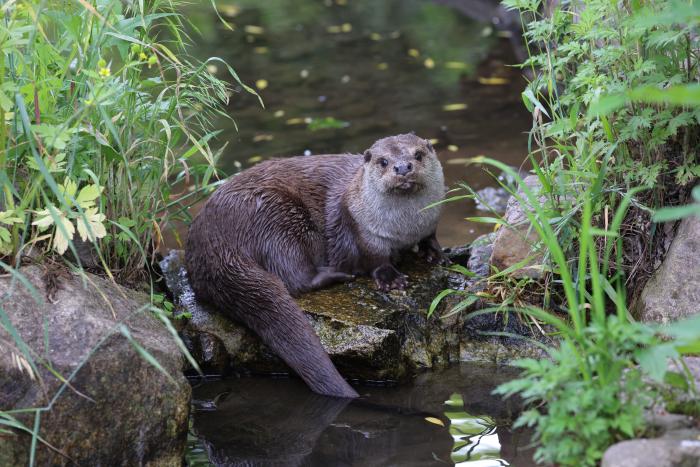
(371, 69)
(442, 418)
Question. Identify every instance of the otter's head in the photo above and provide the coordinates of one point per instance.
(402, 164)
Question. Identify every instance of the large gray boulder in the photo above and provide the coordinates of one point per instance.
(370, 335)
(115, 408)
(673, 292)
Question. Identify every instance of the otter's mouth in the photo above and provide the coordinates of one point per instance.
(406, 186)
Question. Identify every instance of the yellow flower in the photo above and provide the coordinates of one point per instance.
(143, 56)
(104, 72)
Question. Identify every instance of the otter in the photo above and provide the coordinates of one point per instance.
(288, 226)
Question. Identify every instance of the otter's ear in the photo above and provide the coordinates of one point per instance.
(368, 156)
(429, 145)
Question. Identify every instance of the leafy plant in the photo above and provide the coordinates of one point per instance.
(104, 125)
(614, 85)
(593, 390)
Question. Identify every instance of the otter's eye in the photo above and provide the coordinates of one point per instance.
(419, 155)
(383, 162)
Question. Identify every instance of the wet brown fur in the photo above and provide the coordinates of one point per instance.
(288, 226)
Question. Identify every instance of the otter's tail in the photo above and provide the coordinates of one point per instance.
(261, 301)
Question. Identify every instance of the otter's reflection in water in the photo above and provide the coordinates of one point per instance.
(279, 422)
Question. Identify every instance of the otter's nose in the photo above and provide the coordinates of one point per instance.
(402, 168)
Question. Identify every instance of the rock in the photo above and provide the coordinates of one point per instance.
(678, 448)
(684, 400)
(119, 409)
(481, 251)
(673, 292)
(369, 335)
(517, 241)
(492, 199)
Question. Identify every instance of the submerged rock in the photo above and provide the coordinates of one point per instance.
(117, 409)
(673, 292)
(370, 335)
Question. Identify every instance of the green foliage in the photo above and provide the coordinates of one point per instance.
(589, 406)
(621, 75)
(102, 121)
(614, 98)
(104, 137)
(606, 369)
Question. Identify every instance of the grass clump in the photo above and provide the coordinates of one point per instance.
(101, 120)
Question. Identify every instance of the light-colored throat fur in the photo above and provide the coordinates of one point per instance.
(389, 222)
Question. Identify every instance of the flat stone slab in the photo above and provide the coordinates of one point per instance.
(370, 335)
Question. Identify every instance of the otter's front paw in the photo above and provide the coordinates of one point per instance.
(436, 256)
(387, 277)
(430, 249)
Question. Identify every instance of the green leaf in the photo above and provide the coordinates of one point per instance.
(88, 195)
(436, 301)
(654, 360)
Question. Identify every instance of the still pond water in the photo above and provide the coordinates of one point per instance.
(334, 77)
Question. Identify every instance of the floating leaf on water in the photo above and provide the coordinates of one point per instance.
(346, 27)
(295, 121)
(382, 66)
(434, 421)
(429, 63)
(375, 36)
(341, 2)
(413, 52)
(505, 34)
(261, 84)
(252, 29)
(454, 107)
(212, 69)
(261, 50)
(335, 29)
(255, 159)
(228, 10)
(304, 73)
(487, 31)
(326, 123)
(395, 34)
(455, 400)
(492, 80)
(279, 113)
(434, 141)
(345, 79)
(263, 137)
(453, 148)
(456, 65)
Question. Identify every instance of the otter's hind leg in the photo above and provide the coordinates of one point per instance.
(295, 250)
